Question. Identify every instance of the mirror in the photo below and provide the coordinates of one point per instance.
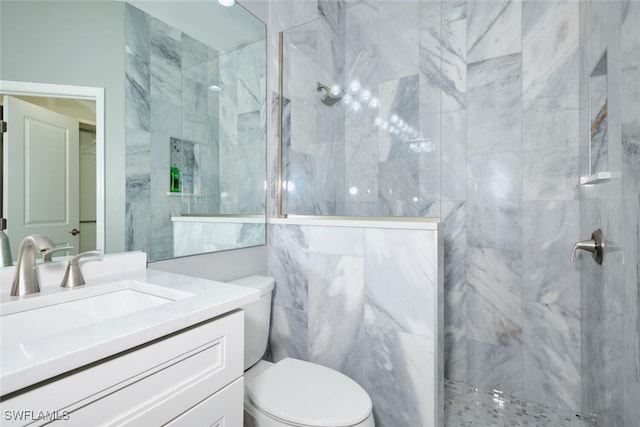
(184, 114)
(598, 117)
(56, 198)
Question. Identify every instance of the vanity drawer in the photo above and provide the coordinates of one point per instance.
(171, 375)
(223, 409)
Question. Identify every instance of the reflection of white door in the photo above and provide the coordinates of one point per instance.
(41, 187)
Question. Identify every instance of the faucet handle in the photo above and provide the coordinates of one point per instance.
(48, 255)
(73, 275)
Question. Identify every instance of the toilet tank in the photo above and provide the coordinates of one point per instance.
(257, 316)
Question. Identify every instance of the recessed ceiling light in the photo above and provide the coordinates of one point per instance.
(227, 3)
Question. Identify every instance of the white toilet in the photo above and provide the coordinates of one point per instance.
(293, 392)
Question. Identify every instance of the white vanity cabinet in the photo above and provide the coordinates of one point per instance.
(192, 377)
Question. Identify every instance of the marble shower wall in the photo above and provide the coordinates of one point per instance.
(168, 97)
(610, 293)
(330, 294)
(510, 199)
(156, 55)
(366, 301)
(242, 145)
(497, 83)
(383, 156)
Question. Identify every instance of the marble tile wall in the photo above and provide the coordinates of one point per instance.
(498, 104)
(138, 128)
(212, 235)
(330, 303)
(241, 110)
(521, 209)
(154, 115)
(630, 138)
(509, 140)
(610, 292)
(391, 168)
(364, 301)
(168, 75)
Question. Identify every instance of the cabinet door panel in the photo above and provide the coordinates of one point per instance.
(223, 409)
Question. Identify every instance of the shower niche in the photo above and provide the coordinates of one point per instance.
(599, 130)
(184, 171)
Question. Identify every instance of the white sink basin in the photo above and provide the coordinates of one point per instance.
(47, 315)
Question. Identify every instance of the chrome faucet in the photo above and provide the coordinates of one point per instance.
(25, 280)
(48, 255)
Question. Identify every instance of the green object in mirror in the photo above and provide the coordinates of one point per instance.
(175, 179)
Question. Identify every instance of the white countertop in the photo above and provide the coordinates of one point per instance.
(25, 363)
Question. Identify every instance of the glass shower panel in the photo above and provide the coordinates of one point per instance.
(221, 156)
(197, 153)
(361, 112)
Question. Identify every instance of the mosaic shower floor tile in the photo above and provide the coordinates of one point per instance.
(468, 406)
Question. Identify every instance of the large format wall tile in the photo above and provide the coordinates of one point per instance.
(138, 57)
(494, 29)
(550, 142)
(289, 264)
(398, 376)
(494, 194)
(630, 89)
(552, 355)
(336, 311)
(453, 158)
(495, 366)
(494, 105)
(288, 336)
(455, 335)
(454, 56)
(454, 217)
(630, 100)
(399, 286)
(494, 296)
(166, 62)
(361, 169)
(549, 231)
(549, 48)
(400, 45)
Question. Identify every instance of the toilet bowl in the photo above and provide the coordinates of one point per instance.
(297, 393)
(294, 392)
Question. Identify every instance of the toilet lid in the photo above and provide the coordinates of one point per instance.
(308, 394)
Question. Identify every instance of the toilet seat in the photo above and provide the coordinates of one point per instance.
(307, 394)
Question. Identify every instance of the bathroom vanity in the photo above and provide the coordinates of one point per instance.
(132, 347)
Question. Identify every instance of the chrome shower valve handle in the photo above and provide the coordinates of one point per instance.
(595, 245)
